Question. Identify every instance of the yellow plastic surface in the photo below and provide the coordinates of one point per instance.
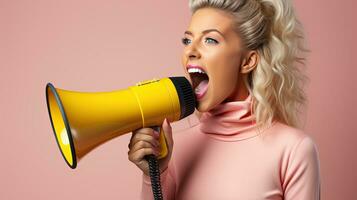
(96, 117)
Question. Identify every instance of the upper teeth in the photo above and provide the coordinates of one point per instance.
(195, 70)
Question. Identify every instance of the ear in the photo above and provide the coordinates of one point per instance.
(250, 61)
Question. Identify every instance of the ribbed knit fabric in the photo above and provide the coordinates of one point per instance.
(225, 157)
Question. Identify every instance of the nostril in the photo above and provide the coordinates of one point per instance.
(193, 54)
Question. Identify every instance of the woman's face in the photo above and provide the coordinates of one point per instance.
(212, 57)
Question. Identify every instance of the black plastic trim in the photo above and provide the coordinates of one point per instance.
(65, 120)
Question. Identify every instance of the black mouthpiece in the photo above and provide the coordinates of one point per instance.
(186, 95)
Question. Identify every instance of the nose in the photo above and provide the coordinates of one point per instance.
(192, 52)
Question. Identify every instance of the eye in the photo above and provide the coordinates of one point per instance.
(211, 41)
(186, 41)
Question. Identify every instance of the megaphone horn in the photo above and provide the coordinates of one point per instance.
(82, 121)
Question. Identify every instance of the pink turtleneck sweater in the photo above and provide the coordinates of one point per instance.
(224, 157)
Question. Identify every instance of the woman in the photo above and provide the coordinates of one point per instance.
(241, 58)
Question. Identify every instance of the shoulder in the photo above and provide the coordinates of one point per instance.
(298, 151)
(289, 137)
(292, 146)
(298, 160)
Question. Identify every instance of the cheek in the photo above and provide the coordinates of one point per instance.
(225, 71)
(223, 78)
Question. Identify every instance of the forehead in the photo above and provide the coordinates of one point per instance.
(211, 18)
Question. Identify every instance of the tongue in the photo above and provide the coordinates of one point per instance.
(202, 87)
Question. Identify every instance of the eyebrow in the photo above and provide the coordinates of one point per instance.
(206, 31)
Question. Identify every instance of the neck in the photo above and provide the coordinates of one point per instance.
(240, 92)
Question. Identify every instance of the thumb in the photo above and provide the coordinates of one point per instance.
(168, 132)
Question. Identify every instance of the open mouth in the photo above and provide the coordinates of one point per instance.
(199, 80)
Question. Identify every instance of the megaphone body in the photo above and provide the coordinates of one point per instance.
(83, 120)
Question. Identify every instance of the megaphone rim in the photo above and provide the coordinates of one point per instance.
(66, 123)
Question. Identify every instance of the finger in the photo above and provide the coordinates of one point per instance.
(147, 131)
(147, 138)
(138, 156)
(141, 131)
(141, 145)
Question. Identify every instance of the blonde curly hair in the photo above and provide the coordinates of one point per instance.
(272, 29)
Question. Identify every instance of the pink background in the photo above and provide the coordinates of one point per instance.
(108, 45)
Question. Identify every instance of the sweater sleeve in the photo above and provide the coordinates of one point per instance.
(302, 180)
(168, 185)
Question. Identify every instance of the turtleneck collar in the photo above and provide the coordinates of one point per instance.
(230, 121)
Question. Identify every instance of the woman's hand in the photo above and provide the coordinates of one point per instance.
(145, 141)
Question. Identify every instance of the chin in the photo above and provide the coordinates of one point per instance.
(206, 105)
(201, 107)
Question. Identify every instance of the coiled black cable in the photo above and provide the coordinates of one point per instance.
(154, 171)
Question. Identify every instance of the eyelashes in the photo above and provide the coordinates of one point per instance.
(211, 41)
(185, 41)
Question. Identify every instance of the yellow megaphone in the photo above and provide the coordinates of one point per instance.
(83, 120)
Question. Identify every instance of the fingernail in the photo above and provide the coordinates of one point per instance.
(156, 134)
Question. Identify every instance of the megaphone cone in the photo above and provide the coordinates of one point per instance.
(82, 121)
